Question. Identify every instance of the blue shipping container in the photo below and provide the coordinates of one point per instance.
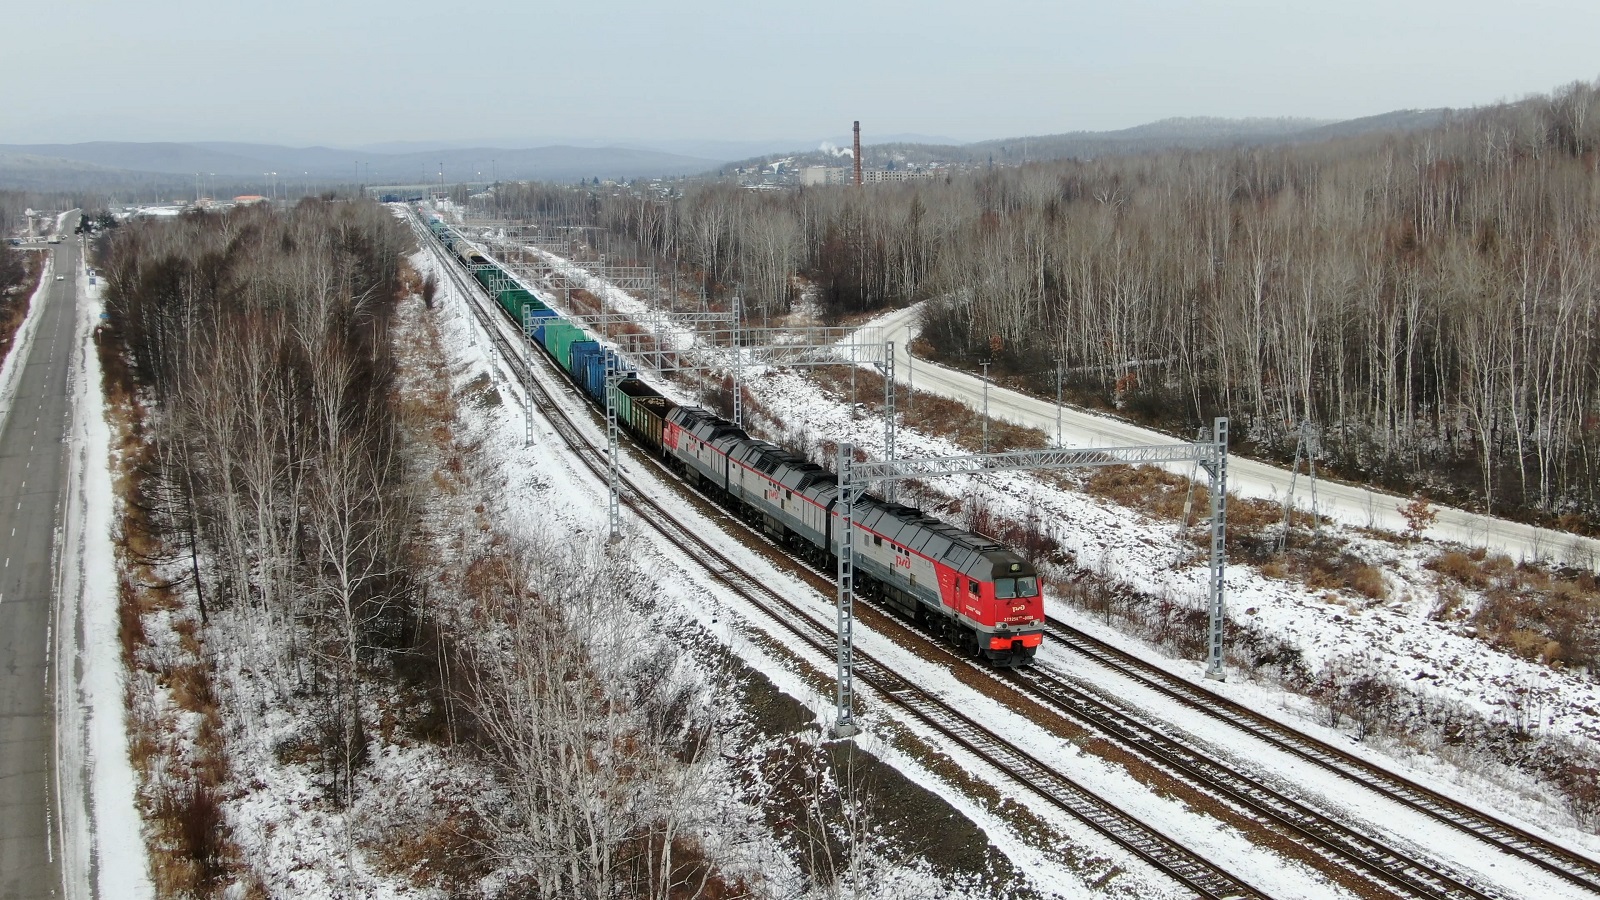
(578, 354)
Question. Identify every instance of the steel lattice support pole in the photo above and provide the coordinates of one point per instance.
(611, 447)
(852, 378)
(527, 361)
(1219, 549)
(888, 413)
(844, 696)
(738, 363)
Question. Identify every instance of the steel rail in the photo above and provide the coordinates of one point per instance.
(1571, 866)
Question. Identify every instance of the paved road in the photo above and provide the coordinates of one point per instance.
(1346, 503)
(32, 472)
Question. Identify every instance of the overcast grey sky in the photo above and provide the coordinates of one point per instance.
(342, 72)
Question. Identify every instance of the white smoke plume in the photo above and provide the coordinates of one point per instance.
(829, 148)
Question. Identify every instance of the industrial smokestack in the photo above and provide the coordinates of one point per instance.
(857, 153)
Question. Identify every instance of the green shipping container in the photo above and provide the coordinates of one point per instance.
(513, 300)
(558, 339)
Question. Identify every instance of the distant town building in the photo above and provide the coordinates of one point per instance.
(812, 175)
(897, 175)
(248, 199)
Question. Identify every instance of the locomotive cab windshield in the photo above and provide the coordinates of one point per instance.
(1019, 587)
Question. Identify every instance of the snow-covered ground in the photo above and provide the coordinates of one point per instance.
(11, 370)
(1395, 636)
(96, 780)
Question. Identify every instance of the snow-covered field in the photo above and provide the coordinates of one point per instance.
(1396, 637)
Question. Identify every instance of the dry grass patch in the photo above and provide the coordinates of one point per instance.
(1459, 567)
(1149, 489)
(1540, 616)
(191, 850)
(452, 849)
(1529, 610)
(1473, 568)
(14, 304)
(1326, 566)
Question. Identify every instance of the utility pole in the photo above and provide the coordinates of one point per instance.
(985, 406)
(1058, 403)
(888, 412)
(911, 389)
(852, 377)
(844, 628)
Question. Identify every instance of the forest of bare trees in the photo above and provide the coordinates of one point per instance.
(1427, 299)
(262, 342)
(282, 515)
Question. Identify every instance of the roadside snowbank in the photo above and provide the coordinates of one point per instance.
(95, 778)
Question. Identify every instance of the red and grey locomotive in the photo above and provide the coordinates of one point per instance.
(963, 586)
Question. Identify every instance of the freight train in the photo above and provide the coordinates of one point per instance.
(960, 586)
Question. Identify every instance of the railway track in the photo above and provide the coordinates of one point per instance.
(1317, 832)
(1312, 829)
(1161, 852)
(1570, 866)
